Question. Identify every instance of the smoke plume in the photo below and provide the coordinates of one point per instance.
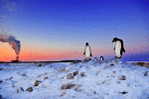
(15, 44)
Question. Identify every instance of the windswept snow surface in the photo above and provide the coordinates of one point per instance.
(85, 80)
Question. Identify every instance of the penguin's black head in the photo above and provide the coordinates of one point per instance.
(87, 44)
(115, 39)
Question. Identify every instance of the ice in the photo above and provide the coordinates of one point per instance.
(84, 80)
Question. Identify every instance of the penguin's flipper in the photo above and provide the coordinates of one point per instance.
(91, 55)
(84, 53)
(124, 50)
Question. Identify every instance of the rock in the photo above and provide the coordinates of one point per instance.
(67, 86)
(124, 92)
(1, 69)
(122, 77)
(10, 78)
(17, 90)
(111, 64)
(72, 75)
(62, 70)
(39, 64)
(37, 82)
(63, 94)
(24, 75)
(146, 73)
(75, 73)
(45, 78)
(103, 82)
(30, 89)
(114, 72)
(118, 82)
(21, 89)
(82, 74)
(77, 88)
(94, 92)
(1, 81)
(1, 97)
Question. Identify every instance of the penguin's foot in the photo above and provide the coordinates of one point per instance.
(87, 59)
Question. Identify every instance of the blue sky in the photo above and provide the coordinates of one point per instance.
(66, 25)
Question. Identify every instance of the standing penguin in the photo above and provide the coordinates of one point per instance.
(118, 47)
(101, 58)
(87, 51)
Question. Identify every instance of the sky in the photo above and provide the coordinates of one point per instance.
(58, 29)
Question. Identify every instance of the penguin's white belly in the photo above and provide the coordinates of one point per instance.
(118, 48)
(87, 52)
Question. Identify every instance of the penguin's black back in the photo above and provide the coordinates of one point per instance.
(122, 44)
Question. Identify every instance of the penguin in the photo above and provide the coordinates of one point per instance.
(87, 51)
(118, 46)
(101, 58)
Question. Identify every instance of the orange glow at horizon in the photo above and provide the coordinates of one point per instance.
(29, 53)
(6, 52)
(36, 54)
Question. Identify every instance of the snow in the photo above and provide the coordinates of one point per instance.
(85, 80)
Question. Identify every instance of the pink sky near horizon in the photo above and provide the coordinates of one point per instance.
(34, 53)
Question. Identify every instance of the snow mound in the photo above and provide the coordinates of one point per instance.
(85, 80)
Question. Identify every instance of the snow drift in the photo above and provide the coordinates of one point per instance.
(86, 80)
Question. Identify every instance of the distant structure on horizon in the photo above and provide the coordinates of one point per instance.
(118, 46)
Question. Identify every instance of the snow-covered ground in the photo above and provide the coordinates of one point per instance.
(86, 80)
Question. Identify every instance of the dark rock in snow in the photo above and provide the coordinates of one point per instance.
(111, 64)
(39, 65)
(124, 92)
(37, 82)
(82, 74)
(72, 75)
(77, 88)
(114, 72)
(62, 70)
(45, 78)
(1, 69)
(75, 73)
(94, 92)
(24, 75)
(1, 97)
(122, 77)
(67, 86)
(21, 89)
(17, 90)
(118, 82)
(1, 81)
(10, 78)
(146, 73)
(63, 94)
(30, 89)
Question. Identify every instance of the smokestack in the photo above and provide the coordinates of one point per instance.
(17, 58)
(15, 44)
